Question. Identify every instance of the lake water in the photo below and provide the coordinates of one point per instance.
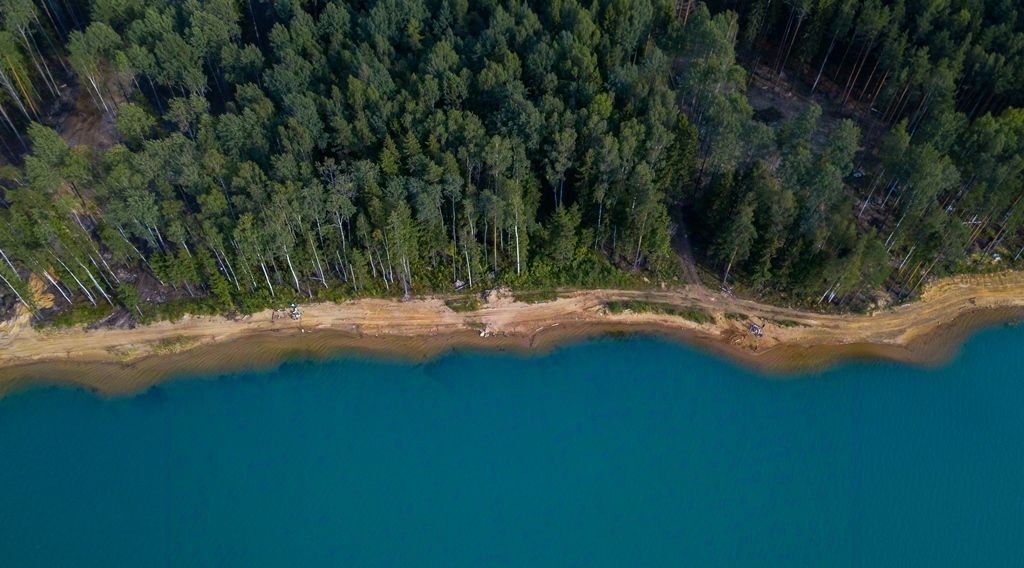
(615, 452)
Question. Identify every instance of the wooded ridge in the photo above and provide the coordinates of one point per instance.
(243, 154)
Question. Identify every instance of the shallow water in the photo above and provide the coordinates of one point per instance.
(627, 452)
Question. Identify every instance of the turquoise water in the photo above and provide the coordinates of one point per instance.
(627, 452)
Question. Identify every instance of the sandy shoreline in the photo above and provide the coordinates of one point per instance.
(116, 361)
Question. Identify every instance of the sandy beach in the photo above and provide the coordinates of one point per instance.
(116, 361)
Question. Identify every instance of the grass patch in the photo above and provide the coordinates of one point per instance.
(123, 353)
(174, 310)
(173, 345)
(477, 325)
(787, 323)
(463, 304)
(735, 316)
(696, 315)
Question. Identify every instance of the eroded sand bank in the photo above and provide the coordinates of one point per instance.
(117, 361)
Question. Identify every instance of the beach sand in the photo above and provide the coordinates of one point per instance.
(118, 361)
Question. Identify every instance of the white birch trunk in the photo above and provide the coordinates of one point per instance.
(81, 286)
(292, 269)
(15, 290)
(95, 283)
(57, 286)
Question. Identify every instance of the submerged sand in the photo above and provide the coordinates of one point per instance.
(114, 361)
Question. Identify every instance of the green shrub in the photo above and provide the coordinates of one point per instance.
(78, 314)
(464, 303)
(693, 314)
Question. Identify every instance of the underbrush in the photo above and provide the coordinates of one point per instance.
(464, 304)
(693, 314)
(77, 314)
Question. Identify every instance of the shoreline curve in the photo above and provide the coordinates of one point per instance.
(114, 362)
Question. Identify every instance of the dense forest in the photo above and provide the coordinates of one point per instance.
(227, 155)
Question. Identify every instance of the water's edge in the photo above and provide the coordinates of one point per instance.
(268, 351)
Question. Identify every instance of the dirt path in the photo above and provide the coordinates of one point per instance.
(685, 253)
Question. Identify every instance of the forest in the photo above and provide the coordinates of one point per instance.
(222, 156)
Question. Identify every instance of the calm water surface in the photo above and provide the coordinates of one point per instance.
(630, 452)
